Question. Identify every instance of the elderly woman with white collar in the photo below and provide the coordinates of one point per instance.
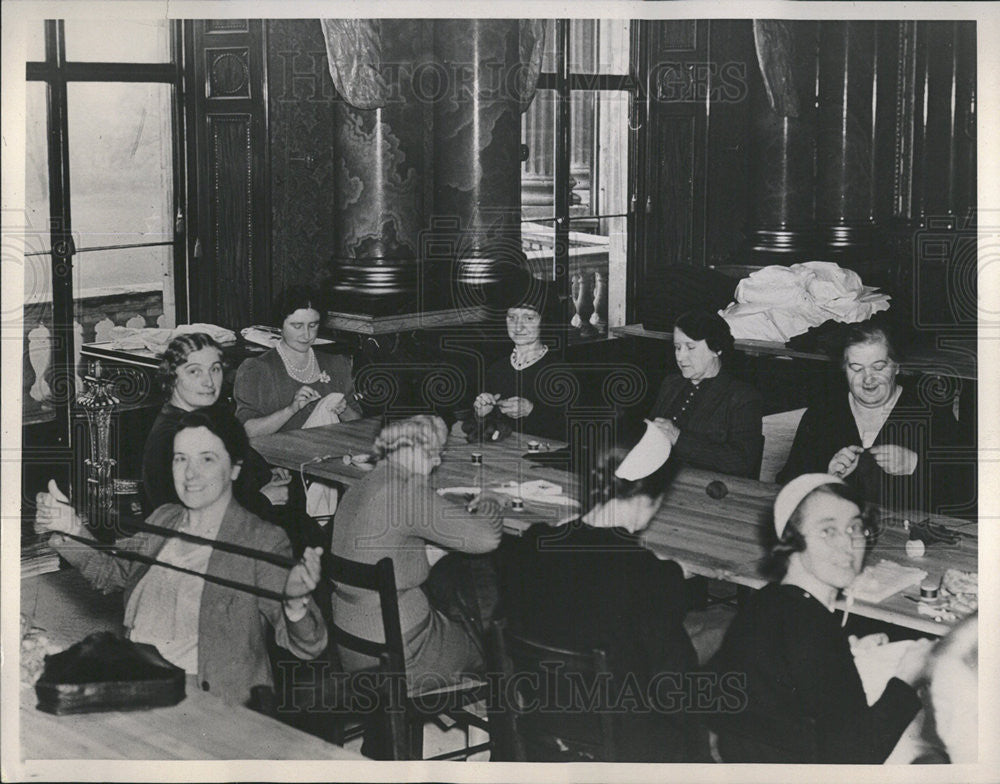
(790, 646)
(591, 584)
(874, 433)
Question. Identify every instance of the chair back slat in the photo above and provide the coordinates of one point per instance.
(379, 578)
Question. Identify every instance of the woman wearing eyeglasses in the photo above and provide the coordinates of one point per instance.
(786, 657)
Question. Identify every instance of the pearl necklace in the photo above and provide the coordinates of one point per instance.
(304, 375)
(520, 363)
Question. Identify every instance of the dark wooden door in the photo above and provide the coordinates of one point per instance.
(229, 270)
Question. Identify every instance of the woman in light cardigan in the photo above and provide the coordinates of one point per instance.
(395, 512)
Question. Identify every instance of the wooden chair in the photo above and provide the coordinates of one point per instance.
(520, 728)
(759, 737)
(402, 711)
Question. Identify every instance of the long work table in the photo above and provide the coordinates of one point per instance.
(723, 538)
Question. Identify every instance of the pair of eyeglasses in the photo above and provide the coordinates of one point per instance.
(852, 532)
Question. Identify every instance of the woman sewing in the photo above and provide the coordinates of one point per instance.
(873, 435)
(525, 388)
(279, 389)
(713, 421)
(798, 696)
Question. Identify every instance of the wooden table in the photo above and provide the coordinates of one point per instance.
(719, 538)
(200, 727)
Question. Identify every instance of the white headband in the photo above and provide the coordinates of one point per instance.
(645, 457)
(791, 496)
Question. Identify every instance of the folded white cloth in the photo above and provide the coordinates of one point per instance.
(777, 303)
(156, 340)
(321, 499)
(877, 664)
(538, 490)
(880, 581)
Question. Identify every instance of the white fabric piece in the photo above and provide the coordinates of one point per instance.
(647, 456)
(880, 581)
(777, 303)
(321, 499)
(877, 664)
(156, 340)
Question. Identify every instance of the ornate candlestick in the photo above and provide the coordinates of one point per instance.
(98, 403)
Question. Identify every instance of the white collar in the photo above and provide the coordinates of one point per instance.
(809, 583)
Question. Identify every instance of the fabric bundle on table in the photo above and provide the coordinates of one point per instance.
(776, 303)
(156, 340)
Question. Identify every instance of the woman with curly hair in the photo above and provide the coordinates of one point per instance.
(395, 512)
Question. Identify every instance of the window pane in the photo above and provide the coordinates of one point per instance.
(119, 286)
(596, 46)
(598, 156)
(118, 40)
(538, 171)
(36, 184)
(34, 41)
(120, 163)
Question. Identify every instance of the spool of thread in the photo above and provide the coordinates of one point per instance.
(517, 504)
(716, 489)
(915, 548)
(534, 446)
(928, 589)
(477, 458)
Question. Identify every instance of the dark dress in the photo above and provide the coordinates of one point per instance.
(828, 426)
(545, 384)
(798, 663)
(719, 421)
(580, 587)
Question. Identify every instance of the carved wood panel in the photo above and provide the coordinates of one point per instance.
(229, 273)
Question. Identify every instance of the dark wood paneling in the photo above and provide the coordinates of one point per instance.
(673, 176)
(726, 197)
(230, 198)
(301, 100)
(229, 276)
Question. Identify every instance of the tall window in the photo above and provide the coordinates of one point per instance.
(574, 181)
(103, 197)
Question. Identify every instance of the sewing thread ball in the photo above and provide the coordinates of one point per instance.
(716, 489)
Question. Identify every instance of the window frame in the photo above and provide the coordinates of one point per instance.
(564, 82)
(56, 73)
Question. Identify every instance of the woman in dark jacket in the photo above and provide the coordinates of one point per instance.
(191, 373)
(712, 420)
(591, 584)
(875, 433)
(527, 389)
(789, 654)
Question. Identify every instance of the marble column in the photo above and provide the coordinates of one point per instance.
(477, 138)
(845, 136)
(782, 143)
